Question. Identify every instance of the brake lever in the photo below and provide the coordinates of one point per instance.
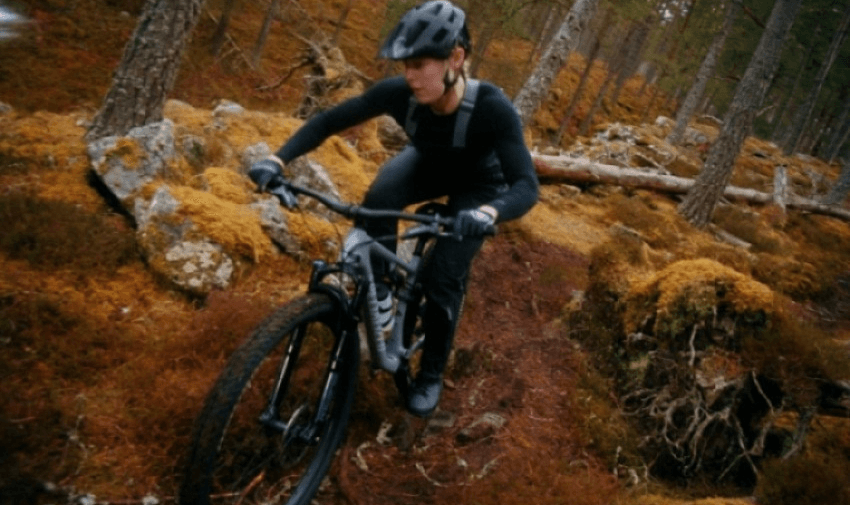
(285, 196)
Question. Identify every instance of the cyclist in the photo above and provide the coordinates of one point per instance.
(472, 152)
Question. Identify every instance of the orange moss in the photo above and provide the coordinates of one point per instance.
(351, 173)
(315, 235)
(233, 226)
(123, 364)
(128, 150)
(187, 117)
(228, 185)
(51, 139)
(698, 281)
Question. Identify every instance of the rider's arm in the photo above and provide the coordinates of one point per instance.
(516, 163)
(381, 98)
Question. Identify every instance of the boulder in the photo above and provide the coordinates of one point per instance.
(126, 164)
(198, 243)
(177, 250)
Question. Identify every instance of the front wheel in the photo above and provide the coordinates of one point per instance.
(270, 426)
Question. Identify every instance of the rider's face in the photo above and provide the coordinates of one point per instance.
(425, 78)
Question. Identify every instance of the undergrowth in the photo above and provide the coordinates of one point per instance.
(630, 317)
(55, 234)
(48, 349)
(797, 355)
(805, 480)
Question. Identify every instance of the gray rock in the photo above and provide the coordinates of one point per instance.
(274, 223)
(228, 108)
(198, 266)
(253, 154)
(175, 248)
(156, 144)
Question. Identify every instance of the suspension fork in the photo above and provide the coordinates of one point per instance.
(269, 417)
(306, 430)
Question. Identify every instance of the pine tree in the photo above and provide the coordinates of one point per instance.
(537, 85)
(148, 68)
(700, 201)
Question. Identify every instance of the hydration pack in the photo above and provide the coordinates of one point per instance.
(467, 104)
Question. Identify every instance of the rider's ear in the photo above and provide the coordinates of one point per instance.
(456, 58)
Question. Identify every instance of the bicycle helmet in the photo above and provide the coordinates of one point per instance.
(432, 29)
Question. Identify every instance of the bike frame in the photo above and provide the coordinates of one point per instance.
(355, 263)
(360, 251)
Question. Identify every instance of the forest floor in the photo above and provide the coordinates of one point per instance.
(104, 366)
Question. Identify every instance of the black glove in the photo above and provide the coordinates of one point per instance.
(474, 223)
(264, 171)
(267, 174)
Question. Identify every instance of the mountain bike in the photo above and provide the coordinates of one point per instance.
(271, 424)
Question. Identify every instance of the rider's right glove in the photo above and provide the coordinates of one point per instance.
(475, 222)
(265, 171)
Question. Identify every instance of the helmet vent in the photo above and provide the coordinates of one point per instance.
(415, 31)
(441, 34)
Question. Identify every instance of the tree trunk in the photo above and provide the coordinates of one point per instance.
(560, 169)
(264, 32)
(341, 22)
(541, 28)
(218, 37)
(839, 136)
(535, 89)
(804, 113)
(779, 126)
(632, 50)
(591, 58)
(706, 70)
(593, 52)
(838, 193)
(148, 68)
(698, 205)
(483, 42)
(587, 122)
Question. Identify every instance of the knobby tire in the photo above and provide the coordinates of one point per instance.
(236, 459)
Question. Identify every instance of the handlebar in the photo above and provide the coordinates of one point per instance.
(285, 191)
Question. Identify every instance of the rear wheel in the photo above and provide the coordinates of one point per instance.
(270, 426)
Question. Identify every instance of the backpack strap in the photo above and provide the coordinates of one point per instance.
(409, 122)
(467, 104)
(465, 112)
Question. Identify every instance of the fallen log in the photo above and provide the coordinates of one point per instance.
(584, 171)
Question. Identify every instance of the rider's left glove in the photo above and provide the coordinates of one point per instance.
(475, 222)
(265, 171)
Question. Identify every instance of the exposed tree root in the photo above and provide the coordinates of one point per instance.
(700, 419)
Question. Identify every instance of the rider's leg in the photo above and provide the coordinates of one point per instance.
(399, 183)
(446, 283)
(446, 278)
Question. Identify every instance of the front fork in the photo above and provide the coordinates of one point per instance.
(305, 425)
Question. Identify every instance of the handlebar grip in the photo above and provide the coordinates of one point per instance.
(490, 231)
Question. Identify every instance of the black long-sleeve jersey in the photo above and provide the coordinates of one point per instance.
(494, 127)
